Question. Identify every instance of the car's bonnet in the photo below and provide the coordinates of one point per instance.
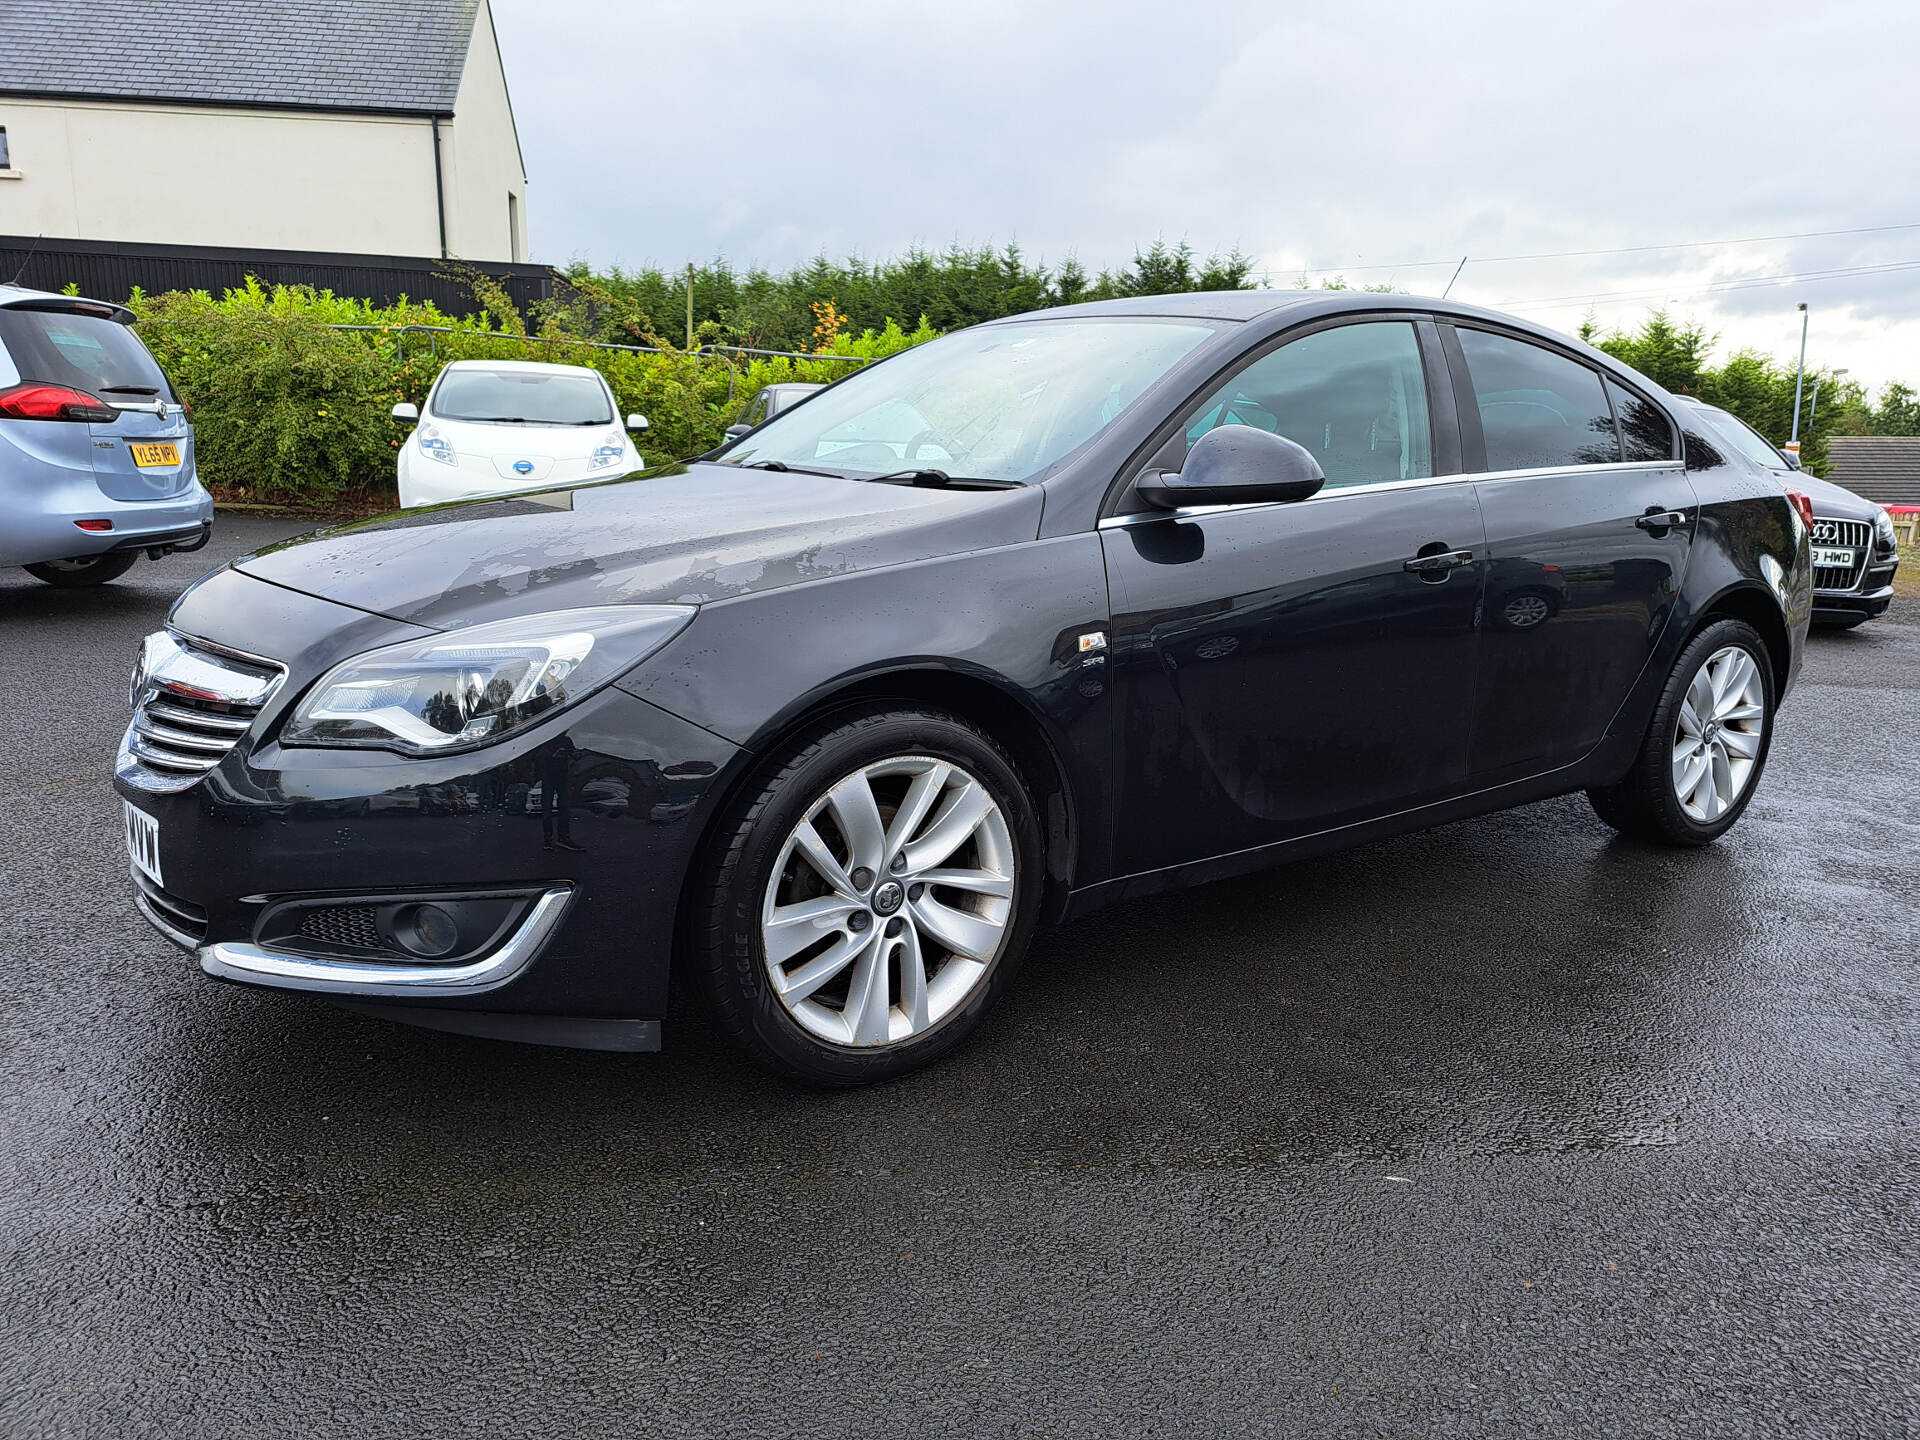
(690, 535)
(1830, 499)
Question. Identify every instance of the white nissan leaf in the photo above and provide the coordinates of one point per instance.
(493, 427)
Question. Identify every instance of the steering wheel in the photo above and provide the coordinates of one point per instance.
(935, 437)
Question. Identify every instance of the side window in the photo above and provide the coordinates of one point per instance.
(1355, 396)
(1537, 409)
(1644, 429)
(757, 411)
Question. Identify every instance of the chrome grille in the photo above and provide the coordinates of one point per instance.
(1828, 531)
(191, 704)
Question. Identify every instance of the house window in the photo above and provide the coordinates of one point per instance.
(6, 160)
(513, 224)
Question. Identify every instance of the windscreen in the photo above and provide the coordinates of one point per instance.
(83, 352)
(1744, 440)
(525, 397)
(1000, 402)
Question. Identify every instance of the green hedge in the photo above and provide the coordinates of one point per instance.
(289, 410)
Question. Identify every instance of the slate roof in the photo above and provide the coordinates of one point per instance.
(381, 56)
(1881, 468)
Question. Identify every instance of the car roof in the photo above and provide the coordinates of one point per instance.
(522, 367)
(1303, 305)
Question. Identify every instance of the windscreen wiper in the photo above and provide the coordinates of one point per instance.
(782, 467)
(931, 479)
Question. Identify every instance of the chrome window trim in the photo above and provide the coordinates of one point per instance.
(1420, 482)
(259, 965)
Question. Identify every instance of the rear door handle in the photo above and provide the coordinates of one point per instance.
(1438, 564)
(1662, 519)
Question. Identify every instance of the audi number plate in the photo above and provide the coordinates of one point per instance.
(1827, 556)
(143, 843)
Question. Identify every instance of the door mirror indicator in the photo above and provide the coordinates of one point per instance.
(1236, 465)
(403, 411)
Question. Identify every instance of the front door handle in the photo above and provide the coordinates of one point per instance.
(1435, 567)
(1661, 520)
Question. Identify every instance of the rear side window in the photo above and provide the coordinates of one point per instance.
(1355, 396)
(1538, 410)
(1644, 428)
(82, 352)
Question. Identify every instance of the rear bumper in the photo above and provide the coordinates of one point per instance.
(48, 532)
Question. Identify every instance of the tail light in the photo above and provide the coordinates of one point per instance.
(1803, 505)
(35, 401)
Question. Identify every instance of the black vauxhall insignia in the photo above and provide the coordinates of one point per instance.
(1052, 611)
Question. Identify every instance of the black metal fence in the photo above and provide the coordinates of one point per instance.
(111, 270)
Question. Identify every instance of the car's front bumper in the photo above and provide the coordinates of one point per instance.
(1870, 597)
(593, 816)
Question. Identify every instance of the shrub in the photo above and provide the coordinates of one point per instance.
(289, 409)
(284, 408)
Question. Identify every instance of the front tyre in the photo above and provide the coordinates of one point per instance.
(1705, 747)
(86, 570)
(870, 895)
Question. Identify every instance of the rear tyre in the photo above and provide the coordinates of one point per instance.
(869, 896)
(1705, 747)
(87, 570)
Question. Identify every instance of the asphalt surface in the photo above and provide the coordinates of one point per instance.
(1506, 1129)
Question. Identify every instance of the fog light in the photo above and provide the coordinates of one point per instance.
(425, 930)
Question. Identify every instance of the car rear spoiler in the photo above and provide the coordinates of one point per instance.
(72, 304)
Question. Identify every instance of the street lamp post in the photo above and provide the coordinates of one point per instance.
(1813, 405)
(1799, 375)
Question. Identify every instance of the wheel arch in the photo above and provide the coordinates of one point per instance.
(1754, 605)
(966, 693)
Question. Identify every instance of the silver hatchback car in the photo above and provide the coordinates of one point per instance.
(96, 449)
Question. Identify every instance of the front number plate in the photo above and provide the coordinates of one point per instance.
(1825, 557)
(147, 456)
(143, 843)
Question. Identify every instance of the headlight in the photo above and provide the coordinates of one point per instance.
(607, 455)
(474, 686)
(1883, 533)
(436, 446)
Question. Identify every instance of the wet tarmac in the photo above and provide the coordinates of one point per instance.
(1510, 1128)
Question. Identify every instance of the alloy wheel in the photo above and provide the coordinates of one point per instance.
(1717, 736)
(889, 902)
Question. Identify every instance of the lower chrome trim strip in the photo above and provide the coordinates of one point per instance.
(159, 922)
(258, 965)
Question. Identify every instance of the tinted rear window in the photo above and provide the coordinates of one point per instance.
(1538, 410)
(1643, 426)
(60, 347)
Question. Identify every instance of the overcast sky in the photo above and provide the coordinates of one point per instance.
(1351, 135)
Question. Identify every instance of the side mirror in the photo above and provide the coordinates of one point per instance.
(734, 432)
(404, 411)
(636, 422)
(1793, 460)
(1236, 465)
